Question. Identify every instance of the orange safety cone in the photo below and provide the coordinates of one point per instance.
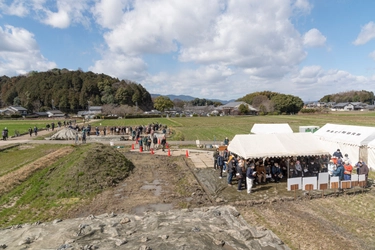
(132, 146)
(152, 151)
(169, 152)
(140, 149)
(187, 153)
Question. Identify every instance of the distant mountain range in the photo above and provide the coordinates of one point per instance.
(188, 98)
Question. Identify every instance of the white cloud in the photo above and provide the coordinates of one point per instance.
(108, 13)
(367, 33)
(19, 52)
(254, 36)
(372, 55)
(58, 19)
(58, 13)
(121, 66)
(314, 38)
(16, 8)
(302, 6)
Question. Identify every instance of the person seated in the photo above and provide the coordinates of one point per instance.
(276, 172)
(261, 173)
(268, 173)
(292, 169)
(298, 169)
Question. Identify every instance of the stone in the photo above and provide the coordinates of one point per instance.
(164, 237)
(57, 221)
(124, 220)
(121, 242)
(219, 242)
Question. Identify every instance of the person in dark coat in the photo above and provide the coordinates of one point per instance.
(276, 172)
(220, 164)
(339, 171)
(231, 169)
(337, 154)
(250, 177)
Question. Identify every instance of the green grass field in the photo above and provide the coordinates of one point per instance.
(218, 127)
(22, 126)
(16, 157)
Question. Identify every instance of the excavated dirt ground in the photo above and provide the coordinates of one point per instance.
(160, 183)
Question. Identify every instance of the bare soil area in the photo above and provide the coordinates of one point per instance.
(160, 183)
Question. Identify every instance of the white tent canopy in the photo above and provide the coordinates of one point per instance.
(371, 154)
(351, 140)
(276, 128)
(276, 145)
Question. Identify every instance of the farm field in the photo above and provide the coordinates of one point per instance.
(22, 126)
(218, 127)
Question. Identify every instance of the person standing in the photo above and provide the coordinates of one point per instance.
(363, 169)
(347, 171)
(30, 131)
(337, 154)
(163, 142)
(216, 154)
(83, 135)
(231, 169)
(239, 174)
(36, 130)
(3, 134)
(339, 171)
(226, 141)
(220, 164)
(250, 177)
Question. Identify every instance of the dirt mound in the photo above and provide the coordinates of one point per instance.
(65, 134)
(92, 170)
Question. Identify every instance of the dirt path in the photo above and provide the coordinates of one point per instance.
(16, 177)
(158, 183)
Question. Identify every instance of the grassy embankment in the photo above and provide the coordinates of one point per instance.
(59, 182)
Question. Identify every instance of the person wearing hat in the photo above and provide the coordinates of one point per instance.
(337, 154)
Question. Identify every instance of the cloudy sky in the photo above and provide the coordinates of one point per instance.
(214, 49)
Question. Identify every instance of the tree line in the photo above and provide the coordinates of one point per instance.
(70, 91)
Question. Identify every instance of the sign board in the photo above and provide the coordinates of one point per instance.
(323, 179)
(294, 181)
(335, 182)
(309, 183)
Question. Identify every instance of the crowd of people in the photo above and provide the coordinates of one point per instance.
(259, 171)
(144, 135)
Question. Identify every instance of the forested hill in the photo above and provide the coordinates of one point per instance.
(350, 96)
(70, 91)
